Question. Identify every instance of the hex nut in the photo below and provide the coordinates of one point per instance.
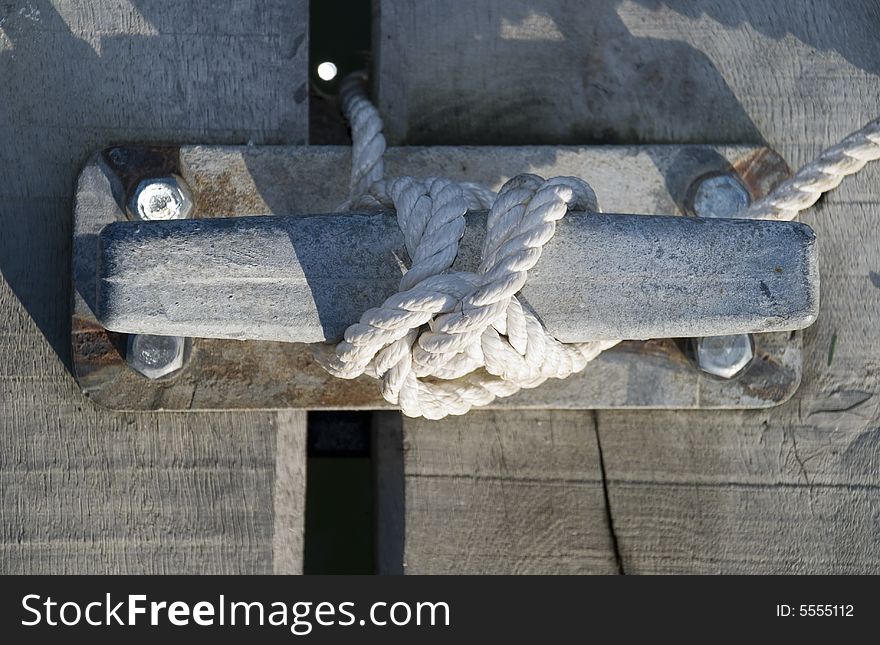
(161, 198)
(724, 356)
(718, 195)
(155, 356)
(721, 195)
(158, 198)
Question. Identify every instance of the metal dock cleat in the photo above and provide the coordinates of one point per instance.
(238, 256)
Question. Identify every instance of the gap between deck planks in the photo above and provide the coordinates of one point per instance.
(790, 489)
(82, 489)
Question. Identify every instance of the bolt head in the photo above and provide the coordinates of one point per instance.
(155, 356)
(162, 198)
(724, 356)
(718, 195)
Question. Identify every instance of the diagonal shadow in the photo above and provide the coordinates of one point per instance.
(840, 27)
(73, 88)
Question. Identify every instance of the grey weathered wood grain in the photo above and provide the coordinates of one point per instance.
(603, 277)
(792, 489)
(84, 490)
(566, 71)
(289, 500)
(791, 492)
(499, 492)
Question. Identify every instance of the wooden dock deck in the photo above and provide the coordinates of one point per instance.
(791, 489)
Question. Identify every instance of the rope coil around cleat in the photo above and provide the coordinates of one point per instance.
(449, 341)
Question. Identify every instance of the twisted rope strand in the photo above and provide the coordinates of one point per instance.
(368, 147)
(825, 173)
(453, 340)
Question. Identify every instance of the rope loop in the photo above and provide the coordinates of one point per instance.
(452, 340)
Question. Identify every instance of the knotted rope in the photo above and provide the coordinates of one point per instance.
(452, 340)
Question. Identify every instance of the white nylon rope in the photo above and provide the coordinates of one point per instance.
(452, 340)
(819, 176)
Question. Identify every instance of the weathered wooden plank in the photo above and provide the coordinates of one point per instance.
(787, 490)
(747, 493)
(557, 71)
(84, 490)
(794, 490)
(602, 277)
(799, 480)
(496, 492)
(289, 499)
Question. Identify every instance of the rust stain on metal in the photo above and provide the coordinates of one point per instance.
(761, 171)
(769, 381)
(667, 349)
(126, 166)
(225, 195)
(233, 374)
(314, 382)
(94, 345)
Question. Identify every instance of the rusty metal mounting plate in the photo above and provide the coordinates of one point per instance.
(265, 180)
